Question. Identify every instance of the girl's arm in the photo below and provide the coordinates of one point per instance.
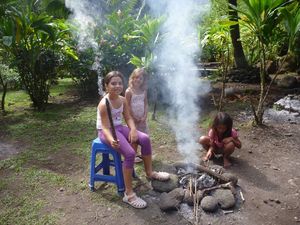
(128, 95)
(106, 125)
(237, 142)
(234, 140)
(129, 121)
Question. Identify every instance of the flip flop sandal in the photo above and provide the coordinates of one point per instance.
(161, 176)
(137, 202)
(138, 159)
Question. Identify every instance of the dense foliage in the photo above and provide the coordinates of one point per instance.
(42, 44)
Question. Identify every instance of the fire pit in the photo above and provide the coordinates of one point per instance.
(196, 189)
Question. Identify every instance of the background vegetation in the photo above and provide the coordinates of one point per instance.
(38, 43)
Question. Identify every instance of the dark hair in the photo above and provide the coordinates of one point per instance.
(109, 76)
(223, 118)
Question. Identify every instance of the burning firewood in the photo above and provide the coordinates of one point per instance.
(212, 173)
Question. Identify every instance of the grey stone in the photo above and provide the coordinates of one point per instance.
(165, 186)
(225, 198)
(171, 200)
(209, 204)
(288, 82)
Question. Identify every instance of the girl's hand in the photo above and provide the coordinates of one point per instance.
(115, 144)
(227, 140)
(133, 137)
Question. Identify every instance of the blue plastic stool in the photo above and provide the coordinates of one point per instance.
(105, 176)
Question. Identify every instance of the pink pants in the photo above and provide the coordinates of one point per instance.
(125, 147)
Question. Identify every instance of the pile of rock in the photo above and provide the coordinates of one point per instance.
(212, 194)
(284, 110)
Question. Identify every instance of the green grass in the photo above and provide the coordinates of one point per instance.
(67, 127)
(15, 100)
(62, 127)
(206, 122)
(161, 132)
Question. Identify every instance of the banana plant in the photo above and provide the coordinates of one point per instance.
(116, 48)
(291, 21)
(34, 39)
(261, 17)
(148, 35)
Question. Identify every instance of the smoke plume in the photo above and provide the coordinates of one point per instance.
(85, 17)
(177, 58)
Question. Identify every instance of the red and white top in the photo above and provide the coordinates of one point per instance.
(215, 139)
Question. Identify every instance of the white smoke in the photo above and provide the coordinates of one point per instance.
(85, 17)
(177, 54)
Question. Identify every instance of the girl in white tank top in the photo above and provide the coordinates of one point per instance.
(136, 97)
(126, 136)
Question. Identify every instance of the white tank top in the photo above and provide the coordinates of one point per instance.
(138, 105)
(115, 113)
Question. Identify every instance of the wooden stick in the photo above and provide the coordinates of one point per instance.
(242, 196)
(227, 211)
(113, 131)
(227, 185)
(212, 173)
(190, 186)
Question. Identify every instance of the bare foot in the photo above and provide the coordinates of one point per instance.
(227, 163)
(208, 155)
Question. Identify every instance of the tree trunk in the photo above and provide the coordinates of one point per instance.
(4, 86)
(260, 107)
(239, 56)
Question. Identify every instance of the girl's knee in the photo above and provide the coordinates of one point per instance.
(145, 143)
(229, 146)
(204, 140)
(143, 137)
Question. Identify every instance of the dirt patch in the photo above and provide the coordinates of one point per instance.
(267, 167)
(8, 150)
(101, 207)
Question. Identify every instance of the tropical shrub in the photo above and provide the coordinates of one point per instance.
(35, 40)
(261, 17)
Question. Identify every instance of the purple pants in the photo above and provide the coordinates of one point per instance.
(125, 148)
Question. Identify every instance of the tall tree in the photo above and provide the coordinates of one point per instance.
(262, 17)
(239, 56)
